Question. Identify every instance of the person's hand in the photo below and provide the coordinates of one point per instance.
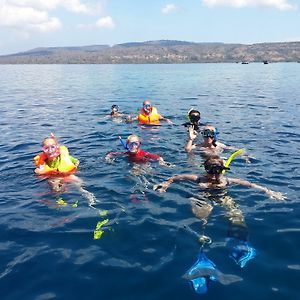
(164, 163)
(77, 163)
(109, 158)
(42, 169)
(128, 119)
(192, 133)
(276, 195)
(161, 187)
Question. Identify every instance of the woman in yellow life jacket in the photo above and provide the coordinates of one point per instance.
(55, 159)
(148, 115)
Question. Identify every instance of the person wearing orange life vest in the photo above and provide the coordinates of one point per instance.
(55, 159)
(58, 166)
(148, 115)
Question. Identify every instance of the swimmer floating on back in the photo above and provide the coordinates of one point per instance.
(148, 115)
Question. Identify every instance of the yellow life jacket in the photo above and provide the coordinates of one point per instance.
(65, 164)
(152, 118)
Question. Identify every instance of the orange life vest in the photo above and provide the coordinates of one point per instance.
(152, 118)
(65, 165)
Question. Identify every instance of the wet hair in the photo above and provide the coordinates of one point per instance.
(49, 138)
(133, 136)
(212, 160)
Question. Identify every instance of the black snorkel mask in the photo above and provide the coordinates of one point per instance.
(114, 108)
(215, 169)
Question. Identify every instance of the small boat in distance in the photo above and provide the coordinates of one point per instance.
(245, 62)
(265, 62)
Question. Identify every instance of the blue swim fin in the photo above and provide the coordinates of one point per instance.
(201, 273)
(241, 252)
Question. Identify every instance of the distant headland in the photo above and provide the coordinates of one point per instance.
(159, 52)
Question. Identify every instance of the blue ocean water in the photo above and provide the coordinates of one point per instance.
(151, 239)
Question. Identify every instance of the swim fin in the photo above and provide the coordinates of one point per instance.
(241, 251)
(204, 269)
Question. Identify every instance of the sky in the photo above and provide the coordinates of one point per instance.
(28, 24)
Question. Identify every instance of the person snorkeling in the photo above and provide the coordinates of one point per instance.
(54, 159)
(58, 167)
(203, 271)
(194, 120)
(214, 179)
(148, 115)
(115, 113)
(135, 153)
(210, 144)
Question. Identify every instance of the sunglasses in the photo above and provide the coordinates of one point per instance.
(147, 106)
(208, 133)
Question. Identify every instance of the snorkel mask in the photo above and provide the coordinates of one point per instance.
(51, 151)
(215, 169)
(133, 146)
(115, 108)
(147, 108)
(194, 116)
(209, 133)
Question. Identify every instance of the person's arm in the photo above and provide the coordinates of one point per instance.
(162, 187)
(270, 193)
(161, 118)
(192, 134)
(109, 157)
(130, 119)
(74, 160)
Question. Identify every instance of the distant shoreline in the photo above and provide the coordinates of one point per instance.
(159, 52)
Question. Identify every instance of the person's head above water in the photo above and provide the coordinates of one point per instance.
(147, 106)
(114, 108)
(50, 147)
(133, 143)
(194, 116)
(214, 165)
(209, 134)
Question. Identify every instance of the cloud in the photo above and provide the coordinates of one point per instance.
(27, 19)
(71, 5)
(33, 15)
(278, 4)
(105, 22)
(169, 8)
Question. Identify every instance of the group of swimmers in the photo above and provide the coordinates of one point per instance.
(55, 162)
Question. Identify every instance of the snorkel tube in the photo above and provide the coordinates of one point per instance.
(123, 143)
(231, 157)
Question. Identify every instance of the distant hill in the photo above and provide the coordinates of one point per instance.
(163, 51)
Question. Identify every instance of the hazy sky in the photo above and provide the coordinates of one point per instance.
(27, 24)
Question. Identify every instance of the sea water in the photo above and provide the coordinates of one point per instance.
(47, 244)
